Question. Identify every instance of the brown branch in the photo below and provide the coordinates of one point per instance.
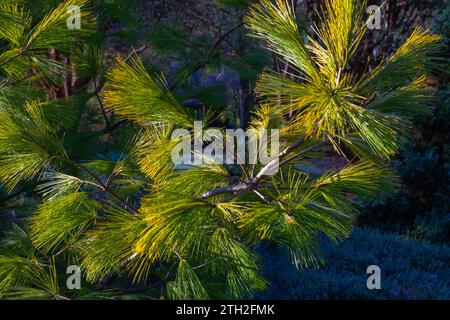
(201, 64)
(17, 55)
(252, 183)
(101, 185)
(102, 106)
(134, 52)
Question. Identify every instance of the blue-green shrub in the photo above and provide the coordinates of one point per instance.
(410, 269)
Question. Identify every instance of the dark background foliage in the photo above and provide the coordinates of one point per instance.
(421, 208)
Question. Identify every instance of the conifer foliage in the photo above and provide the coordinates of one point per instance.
(131, 217)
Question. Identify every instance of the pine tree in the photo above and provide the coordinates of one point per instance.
(190, 233)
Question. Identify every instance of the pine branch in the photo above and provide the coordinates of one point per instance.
(102, 106)
(101, 185)
(299, 154)
(13, 57)
(249, 185)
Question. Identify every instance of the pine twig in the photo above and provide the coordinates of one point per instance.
(101, 185)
